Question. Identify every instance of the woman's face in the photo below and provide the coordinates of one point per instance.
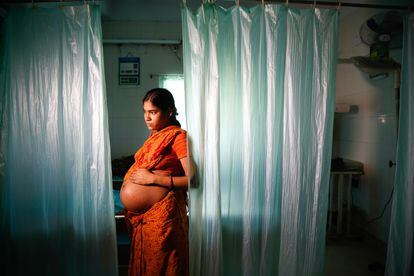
(155, 118)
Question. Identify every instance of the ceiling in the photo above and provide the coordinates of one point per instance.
(169, 10)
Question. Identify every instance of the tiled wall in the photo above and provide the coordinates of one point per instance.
(126, 124)
(368, 135)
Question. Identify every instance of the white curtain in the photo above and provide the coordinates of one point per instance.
(57, 214)
(400, 255)
(260, 96)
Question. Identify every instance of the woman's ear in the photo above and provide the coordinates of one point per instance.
(170, 112)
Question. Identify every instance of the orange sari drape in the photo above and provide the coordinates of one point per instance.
(159, 237)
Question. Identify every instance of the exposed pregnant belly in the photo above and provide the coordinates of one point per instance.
(138, 198)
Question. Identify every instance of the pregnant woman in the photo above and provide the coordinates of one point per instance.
(155, 192)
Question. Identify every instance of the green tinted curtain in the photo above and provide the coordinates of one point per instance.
(260, 103)
(400, 255)
(56, 213)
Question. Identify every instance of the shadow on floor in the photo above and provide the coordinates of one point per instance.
(357, 255)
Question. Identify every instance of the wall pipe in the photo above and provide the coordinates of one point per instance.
(2, 12)
(142, 41)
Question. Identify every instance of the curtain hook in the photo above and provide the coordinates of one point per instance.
(339, 5)
(184, 2)
(237, 3)
(287, 2)
(314, 4)
(263, 3)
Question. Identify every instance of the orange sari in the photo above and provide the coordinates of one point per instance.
(159, 237)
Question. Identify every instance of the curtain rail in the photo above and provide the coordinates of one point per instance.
(306, 2)
(341, 4)
(28, 2)
(301, 2)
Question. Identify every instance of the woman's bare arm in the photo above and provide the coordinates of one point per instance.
(145, 177)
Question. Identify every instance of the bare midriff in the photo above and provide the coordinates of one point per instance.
(138, 198)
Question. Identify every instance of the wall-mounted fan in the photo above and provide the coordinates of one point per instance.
(382, 32)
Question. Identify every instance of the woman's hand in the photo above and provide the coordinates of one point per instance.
(141, 177)
(146, 177)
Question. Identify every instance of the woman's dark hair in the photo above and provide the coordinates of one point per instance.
(163, 99)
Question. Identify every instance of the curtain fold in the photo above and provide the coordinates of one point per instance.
(400, 255)
(57, 214)
(260, 96)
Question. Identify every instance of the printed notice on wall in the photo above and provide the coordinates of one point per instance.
(129, 71)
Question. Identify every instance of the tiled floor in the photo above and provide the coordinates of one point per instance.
(358, 255)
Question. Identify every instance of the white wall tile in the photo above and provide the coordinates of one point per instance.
(369, 135)
(380, 129)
